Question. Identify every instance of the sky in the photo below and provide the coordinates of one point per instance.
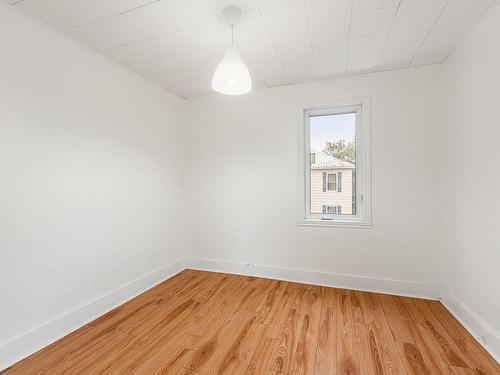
(331, 128)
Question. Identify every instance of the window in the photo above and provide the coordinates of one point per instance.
(332, 182)
(332, 209)
(337, 165)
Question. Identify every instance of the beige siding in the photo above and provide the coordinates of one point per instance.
(319, 198)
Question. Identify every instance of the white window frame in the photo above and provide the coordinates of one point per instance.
(363, 217)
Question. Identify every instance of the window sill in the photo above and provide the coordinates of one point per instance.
(335, 224)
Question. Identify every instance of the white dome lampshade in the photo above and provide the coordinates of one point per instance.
(231, 77)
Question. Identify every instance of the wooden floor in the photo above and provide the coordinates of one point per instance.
(211, 323)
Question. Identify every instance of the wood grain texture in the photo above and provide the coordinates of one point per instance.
(211, 323)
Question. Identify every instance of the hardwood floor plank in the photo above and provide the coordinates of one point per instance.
(262, 356)
(269, 309)
(217, 284)
(382, 336)
(422, 338)
(326, 356)
(479, 358)
(210, 355)
(370, 361)
(347, 355)
(369, 306)
(412, 359)
(305, 358)
(237, 359)
(133, 354)
(481, 361)
(326, 353)
(212, 323)
(396, 324)
(51, 354)
(358, 315)
(166, 352)
(287, 301)
(289, 322)
(453, 327)
(220, 304)
(451, 352)
(96, 351)
(461, 371)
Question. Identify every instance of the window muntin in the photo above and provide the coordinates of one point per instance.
(337, 165)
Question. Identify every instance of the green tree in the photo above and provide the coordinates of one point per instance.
(341, 150)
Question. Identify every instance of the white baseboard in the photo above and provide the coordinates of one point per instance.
(477, 327)
(337, 280)
(29, 342)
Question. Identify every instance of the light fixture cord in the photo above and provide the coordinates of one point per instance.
(232, 35)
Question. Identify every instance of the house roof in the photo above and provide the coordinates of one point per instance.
(324, 161)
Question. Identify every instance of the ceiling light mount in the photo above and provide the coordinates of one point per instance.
(232, 15)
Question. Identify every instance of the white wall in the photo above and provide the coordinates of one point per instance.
(471, 177)
(242, 179)
(91, 176)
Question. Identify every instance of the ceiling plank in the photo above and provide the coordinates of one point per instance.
(328, 22)
(160, 18)
(451, 27)
(287, 25)
(67, 14)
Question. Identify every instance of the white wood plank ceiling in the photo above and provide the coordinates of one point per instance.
(178, 43)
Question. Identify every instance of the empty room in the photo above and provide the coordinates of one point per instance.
(250, 187)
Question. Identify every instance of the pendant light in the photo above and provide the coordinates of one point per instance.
(231, 77)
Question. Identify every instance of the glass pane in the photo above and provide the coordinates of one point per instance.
(333, 144)
(332, 181)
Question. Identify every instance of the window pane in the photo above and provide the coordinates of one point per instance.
(333, 164)
(331, 210)
(332, 181)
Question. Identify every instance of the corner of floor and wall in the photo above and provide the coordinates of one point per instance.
(111, 185)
